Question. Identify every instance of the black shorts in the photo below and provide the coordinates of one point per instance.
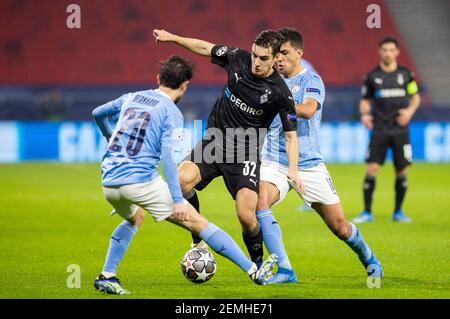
(235, 175)
(380, 142)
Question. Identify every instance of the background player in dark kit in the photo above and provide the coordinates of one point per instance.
(394, 94)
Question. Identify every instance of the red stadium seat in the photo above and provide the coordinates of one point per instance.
(115, 44)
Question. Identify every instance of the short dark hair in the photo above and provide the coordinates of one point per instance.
(174, 71)
(292, 36)
(269, 39)
(388, 39)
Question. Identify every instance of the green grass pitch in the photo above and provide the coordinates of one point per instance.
(53, 215)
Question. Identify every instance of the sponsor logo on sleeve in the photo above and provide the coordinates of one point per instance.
(364, 90)
(312, 90)
(222, 50)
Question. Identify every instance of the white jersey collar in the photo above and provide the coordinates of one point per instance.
(162, 93)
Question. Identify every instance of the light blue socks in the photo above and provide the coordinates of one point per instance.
(272, 237)
(118, 245)
(224, 245)
(358, 245)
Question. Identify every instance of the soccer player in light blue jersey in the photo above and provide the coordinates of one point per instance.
(148, 132)
(309, 93)
(307, 65)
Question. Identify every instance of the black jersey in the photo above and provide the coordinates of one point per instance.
(390, 92)
(247, 101)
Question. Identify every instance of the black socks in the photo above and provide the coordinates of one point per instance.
(369, 187)
(254, 243)
(400, 191)
(192, 198)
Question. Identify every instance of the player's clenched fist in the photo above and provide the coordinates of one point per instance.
(162, 35)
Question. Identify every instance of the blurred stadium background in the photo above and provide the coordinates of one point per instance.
(51, 77)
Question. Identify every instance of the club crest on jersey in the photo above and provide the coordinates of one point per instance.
(295, 88)
(178, 134)
(400, 79)
(378, 81)
(222, 50)
(264, 98)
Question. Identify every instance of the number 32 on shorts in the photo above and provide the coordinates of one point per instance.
(249, 169)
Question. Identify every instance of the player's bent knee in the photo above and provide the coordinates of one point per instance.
(184, 174)
(196, 222)
(342, 230)
(248, 220)
(263, 201)
(267, 196)
(138, 217)
(189, 175)
(263, 197)
(372, 169)
(246, 197)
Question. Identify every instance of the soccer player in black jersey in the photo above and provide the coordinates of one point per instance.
(394, 94)
(253, 95)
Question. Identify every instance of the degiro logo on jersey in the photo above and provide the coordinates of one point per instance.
(242, 105)
(383, 93)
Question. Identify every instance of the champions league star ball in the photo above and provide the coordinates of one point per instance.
(198, 265)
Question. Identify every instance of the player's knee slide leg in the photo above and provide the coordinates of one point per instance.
(342, 229)
(139, 217)
(188, 175)
(184, 181)
(197, 223)
(372, 170)
(263, 202)
(136, 221)
(248, 222)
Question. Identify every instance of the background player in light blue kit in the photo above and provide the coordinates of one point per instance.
(149, 131)
(309, 93)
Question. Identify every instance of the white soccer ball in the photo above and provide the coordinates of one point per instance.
(198, 265)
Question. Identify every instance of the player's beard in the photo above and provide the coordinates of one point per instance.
(387, 61)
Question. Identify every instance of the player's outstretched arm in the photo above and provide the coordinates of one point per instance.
(171, 151)
(196, 46)
(292, 153)
(307, 109)
(170, 171)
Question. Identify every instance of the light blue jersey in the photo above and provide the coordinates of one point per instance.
(306, 84)
(148, 131)
(307, 65)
